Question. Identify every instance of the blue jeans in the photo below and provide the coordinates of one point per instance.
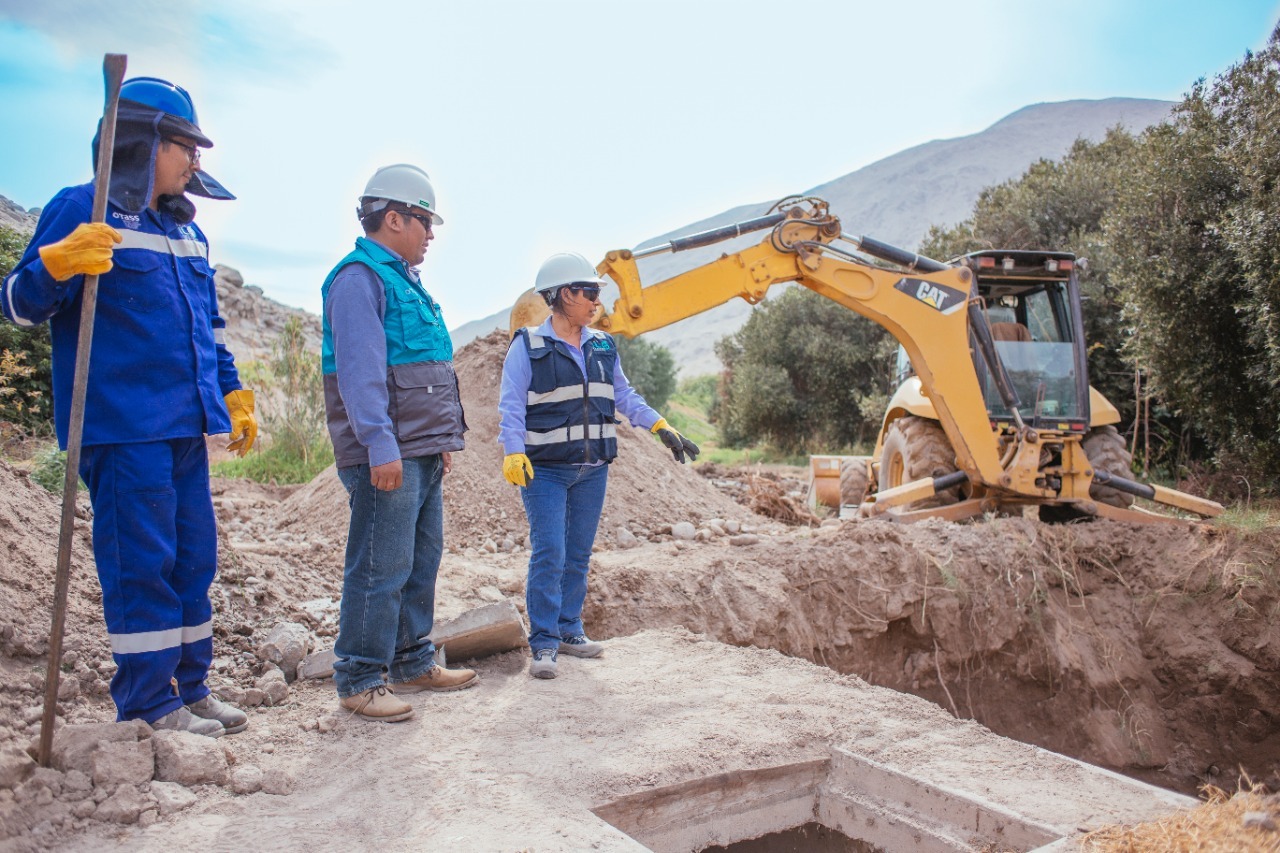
(155, 543)
(389, 583)
(563, 504)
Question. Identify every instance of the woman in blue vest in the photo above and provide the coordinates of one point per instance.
(562, 383)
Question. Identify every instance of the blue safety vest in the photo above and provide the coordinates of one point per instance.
(159, 367)
(569, 418)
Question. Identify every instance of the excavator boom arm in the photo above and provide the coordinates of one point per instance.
(925, 311)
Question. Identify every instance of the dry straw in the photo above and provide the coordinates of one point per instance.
(1247, 821)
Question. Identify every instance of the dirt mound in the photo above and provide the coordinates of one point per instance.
(29, 522)
(648, 491)
(1149, 649)
(255, 586)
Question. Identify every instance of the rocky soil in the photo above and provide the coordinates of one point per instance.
(1150, 650)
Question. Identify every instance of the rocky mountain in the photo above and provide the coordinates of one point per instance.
(255, 322)
(13, 216)
(895, 199)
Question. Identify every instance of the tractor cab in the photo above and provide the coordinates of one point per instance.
(1032, 304)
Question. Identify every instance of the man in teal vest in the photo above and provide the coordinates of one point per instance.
(395, 418)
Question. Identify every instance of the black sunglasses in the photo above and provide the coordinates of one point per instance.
(591, 291)
(425, 220)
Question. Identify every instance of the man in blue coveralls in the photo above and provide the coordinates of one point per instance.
(160, 378)
(395, 418)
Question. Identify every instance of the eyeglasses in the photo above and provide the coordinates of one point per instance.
(425, 220)
(193, 152)
(591, 291)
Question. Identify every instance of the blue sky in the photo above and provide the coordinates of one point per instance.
(564, 126)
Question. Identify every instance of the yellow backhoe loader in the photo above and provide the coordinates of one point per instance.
(994, 413)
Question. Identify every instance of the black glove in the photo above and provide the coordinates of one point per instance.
(678, 444)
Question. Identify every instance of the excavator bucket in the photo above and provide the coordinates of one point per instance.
(824, 482)
(530, 310)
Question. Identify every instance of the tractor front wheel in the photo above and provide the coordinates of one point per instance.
(915, 448)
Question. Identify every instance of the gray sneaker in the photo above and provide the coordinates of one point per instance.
(543, 664)
(182, 720)
(581, 647)
(212, 708)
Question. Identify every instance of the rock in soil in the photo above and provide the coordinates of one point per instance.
(246, 779)
(189, 759)
(286, 645)
(124, 806)
(172, 797)
(75, 745)
(124, 762)
(15, 766)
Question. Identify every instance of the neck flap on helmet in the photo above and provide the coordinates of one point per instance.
(138, 135)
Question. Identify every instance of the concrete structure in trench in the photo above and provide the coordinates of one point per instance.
(670, 742)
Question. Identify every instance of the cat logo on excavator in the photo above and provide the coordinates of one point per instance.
(937, 296)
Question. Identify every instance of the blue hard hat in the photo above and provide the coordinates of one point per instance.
(174, 101)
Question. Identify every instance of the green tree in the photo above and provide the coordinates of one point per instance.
(803, 373)
(26, 368)
(1195, 231)
(650, 368)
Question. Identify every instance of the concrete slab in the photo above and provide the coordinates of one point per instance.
(489, 630)
(738, 804)
(680, 740)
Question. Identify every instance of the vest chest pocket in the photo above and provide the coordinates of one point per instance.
(413, 322)
(600, 366)
(426, 400)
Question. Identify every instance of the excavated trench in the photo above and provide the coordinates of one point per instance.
(1149, 650)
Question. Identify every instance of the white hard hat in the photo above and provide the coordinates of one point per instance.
(565, 268)
(403, 183)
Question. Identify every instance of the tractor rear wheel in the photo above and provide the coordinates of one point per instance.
(915, 448)
(1107, 452)
(853, 481)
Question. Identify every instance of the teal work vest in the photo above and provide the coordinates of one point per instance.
(412, 320)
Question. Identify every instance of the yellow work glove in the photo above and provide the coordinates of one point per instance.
(244, 426)
(517, 468)
(675, 442)
(85, 251)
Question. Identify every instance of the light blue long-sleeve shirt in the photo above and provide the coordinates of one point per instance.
(517, 373)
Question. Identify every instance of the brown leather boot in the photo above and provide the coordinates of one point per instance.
(439, 679)
(378, 703)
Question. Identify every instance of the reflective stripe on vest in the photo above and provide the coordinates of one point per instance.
(571, 392)
(573, 433)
